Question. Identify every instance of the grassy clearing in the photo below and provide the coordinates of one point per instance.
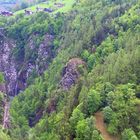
(50, 4)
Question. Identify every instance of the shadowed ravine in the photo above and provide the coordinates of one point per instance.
(101, 126)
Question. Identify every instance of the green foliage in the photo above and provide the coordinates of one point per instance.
(1, 107)
(96, 135)
(24, 111)
(93, 101)
(106, 35)
(35, 26)
(1, 78)
(123, 104)
(4, 136)
(108, 112)
(1, 100)
(85, 55)
(77, 115)
(129, 134)
(2, 21)
(82, 130)
(85, 130)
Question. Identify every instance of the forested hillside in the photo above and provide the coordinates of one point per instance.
(73, 74)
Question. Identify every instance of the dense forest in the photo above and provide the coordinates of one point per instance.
(79, 65)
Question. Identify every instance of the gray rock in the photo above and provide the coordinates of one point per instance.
(70, 73)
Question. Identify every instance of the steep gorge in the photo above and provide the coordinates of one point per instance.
(7, 63)
(69, 67)
(17, 74)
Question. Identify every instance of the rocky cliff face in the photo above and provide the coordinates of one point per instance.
(71, 73)
(43, 52)
(35, 66)
(7, 64)
(18, 73)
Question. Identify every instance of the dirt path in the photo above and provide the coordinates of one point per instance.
(101, 126)
(6, 114)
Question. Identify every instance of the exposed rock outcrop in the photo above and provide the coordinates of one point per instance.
(44, 56)
(18, 73)
(2, 88)
(7, 64)
(35, 66)
(71, 73)
(45, 53)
